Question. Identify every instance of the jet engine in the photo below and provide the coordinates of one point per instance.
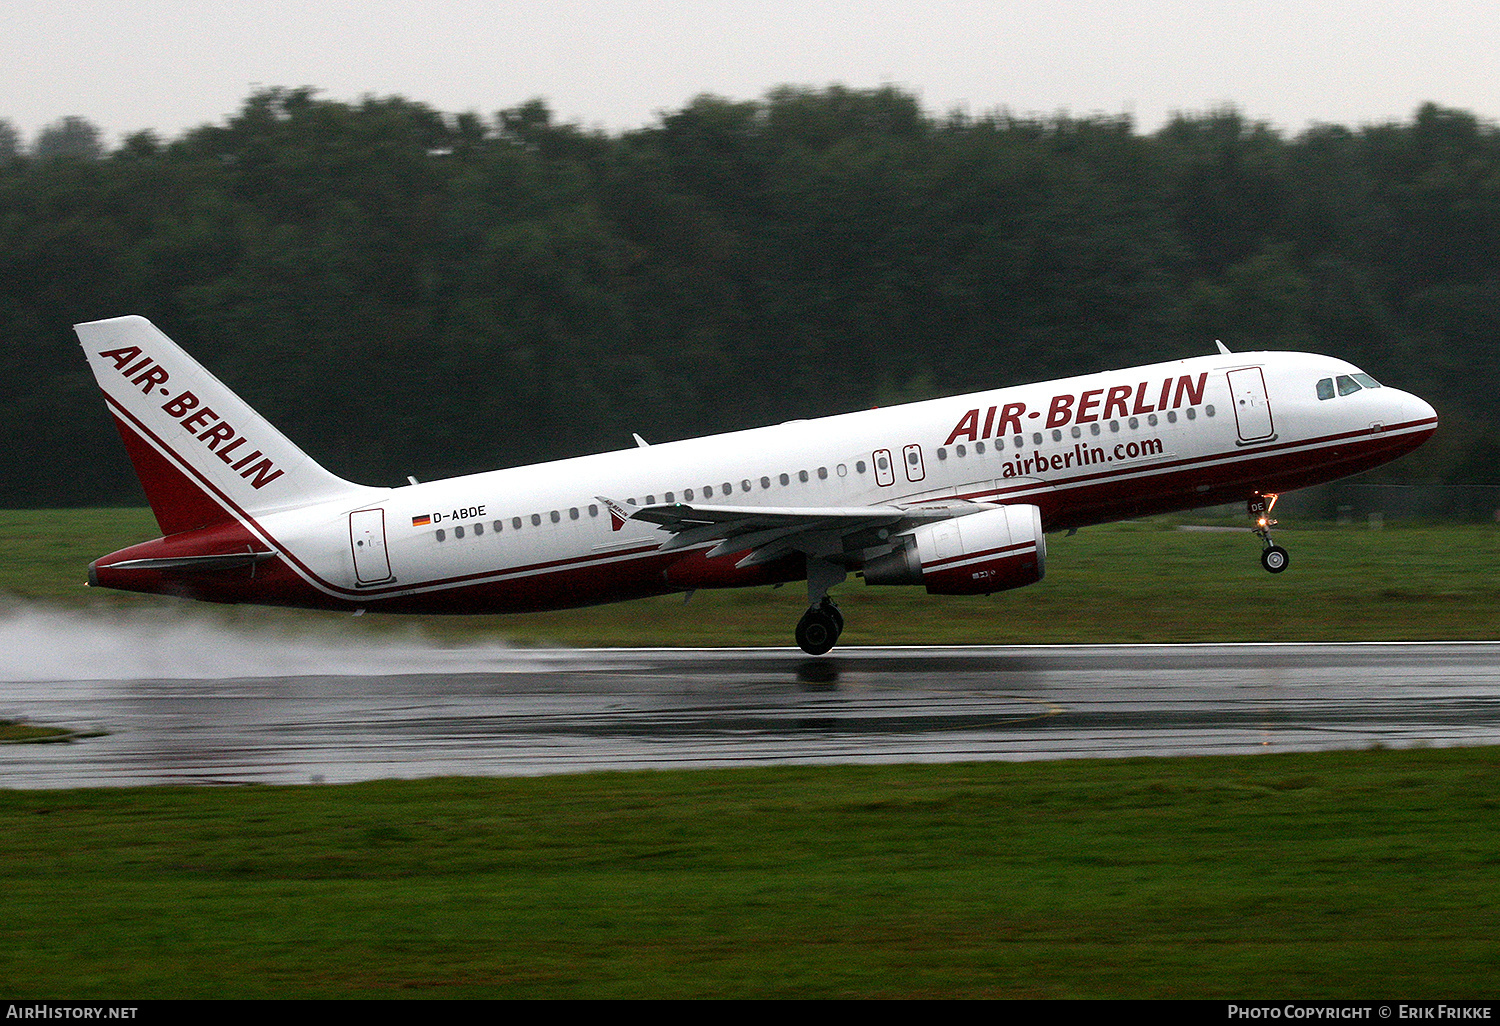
(969, 555)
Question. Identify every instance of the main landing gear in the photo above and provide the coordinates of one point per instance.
(821, 625)
(1272, 556)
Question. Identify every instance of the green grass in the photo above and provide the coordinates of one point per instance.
(1349, 874)
(13, 732)
(1301, 875)
(1139, 582)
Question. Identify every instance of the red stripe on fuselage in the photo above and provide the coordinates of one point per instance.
(1134, 488)
(1142, 487)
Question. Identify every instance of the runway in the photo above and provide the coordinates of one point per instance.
(500, 711)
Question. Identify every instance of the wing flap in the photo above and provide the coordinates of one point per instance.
(766, 533)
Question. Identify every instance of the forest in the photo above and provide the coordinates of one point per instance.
(405, 291)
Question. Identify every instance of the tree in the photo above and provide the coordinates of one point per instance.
(10, 142)
(69, 137)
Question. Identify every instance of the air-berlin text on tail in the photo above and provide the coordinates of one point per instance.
(200, 421)
(1084, 408)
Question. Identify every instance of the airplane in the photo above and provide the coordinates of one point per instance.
(953, 494)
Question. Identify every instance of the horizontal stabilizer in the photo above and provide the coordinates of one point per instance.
(212, 561)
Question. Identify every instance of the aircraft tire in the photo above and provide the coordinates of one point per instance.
(1275, 559)
(832, 610)
(816, 632)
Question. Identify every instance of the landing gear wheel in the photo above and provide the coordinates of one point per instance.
(1274, 558)
(817, 631)
(832, 610)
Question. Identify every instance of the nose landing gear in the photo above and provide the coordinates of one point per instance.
(1272, 556)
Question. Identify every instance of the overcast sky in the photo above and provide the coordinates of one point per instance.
(168, 65)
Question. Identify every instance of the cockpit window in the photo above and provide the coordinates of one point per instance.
(1347, 384)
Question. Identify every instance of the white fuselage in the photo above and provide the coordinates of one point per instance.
(1083, 450)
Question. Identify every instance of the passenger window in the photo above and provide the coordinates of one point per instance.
(458, 532)
(440, 534)
(499, 526)
(822, 473)
(708, 491)
(555, 515)
(478, 530)
(536, 520)
(573, 513)
(515, 523)
(859, 466)
(1325, 388)
(765, 482)
(687, 495)
(802, 476)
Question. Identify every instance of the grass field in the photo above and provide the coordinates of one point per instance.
(1350, 874)
(1355, 874)
(1138, 582)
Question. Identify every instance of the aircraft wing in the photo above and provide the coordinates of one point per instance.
(769, 532)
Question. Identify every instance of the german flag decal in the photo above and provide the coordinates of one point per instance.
(421, 521)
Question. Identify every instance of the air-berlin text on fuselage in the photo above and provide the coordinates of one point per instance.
(1085, 408)
(203, 423)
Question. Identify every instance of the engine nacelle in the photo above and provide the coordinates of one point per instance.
(973, 555)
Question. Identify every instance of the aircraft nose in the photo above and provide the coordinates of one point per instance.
(1415, 409)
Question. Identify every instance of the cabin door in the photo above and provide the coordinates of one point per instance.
(1252, 407)
(367, 541)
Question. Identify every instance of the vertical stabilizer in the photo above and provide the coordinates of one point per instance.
(202, 454)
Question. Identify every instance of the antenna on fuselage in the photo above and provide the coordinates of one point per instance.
(1222, 348)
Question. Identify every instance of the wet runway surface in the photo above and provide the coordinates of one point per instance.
(517, 712)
